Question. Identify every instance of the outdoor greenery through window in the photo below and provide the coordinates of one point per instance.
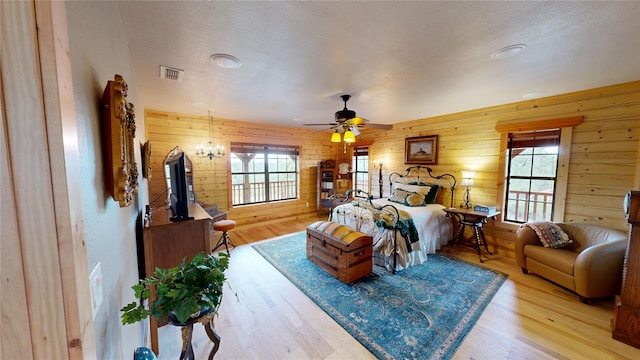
(263, 173)
(531, 175)
(360, 168)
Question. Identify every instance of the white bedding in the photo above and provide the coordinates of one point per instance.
(431, 222)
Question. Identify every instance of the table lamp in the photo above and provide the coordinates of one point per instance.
(467, 180)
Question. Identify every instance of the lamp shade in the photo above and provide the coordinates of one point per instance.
(335, 137)
(467, 178)
(349, 137)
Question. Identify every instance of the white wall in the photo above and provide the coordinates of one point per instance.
(98, 51)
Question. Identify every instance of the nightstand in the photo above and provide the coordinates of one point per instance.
(474, 219)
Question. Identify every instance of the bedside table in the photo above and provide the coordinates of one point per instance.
(474, 219)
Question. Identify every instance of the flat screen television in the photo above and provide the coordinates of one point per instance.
(178, 187)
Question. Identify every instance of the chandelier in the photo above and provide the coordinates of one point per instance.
(211, 154)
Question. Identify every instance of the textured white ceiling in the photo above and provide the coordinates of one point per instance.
(399, 60)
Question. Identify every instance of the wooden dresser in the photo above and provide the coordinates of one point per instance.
(166, 243)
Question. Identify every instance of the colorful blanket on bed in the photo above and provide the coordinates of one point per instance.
(384, 217)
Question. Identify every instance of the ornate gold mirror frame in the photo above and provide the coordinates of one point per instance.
(188, 168)
(146, 160)
(119, 126)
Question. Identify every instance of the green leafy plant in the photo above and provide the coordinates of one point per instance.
(183, 290)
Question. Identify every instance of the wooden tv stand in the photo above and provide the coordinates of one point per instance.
(166, 243)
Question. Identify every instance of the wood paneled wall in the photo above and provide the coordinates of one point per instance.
(604, 161)
(211, 178)
(46, 305)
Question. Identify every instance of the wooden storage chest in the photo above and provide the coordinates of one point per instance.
(340, 251)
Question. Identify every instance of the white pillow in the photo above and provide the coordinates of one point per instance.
(420, 189)
(408, 198)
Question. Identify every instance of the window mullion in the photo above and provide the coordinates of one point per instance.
(267, 195)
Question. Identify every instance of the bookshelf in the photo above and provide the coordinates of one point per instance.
(326, 185)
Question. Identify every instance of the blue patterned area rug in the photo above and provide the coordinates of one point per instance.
(422, 312)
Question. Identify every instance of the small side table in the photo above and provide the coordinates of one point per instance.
(205, 317)
(475, 219)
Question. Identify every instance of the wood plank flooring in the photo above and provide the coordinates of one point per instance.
(529, 318)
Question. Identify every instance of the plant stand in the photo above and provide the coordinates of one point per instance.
(206, 319)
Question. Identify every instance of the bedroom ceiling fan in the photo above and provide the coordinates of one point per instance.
(347, 124)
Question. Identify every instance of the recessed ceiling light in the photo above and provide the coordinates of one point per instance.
(226, 61)
(534, 95)
(508, 51)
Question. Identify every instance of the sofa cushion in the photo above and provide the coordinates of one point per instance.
(551, 274)
(587, 235)
(550, 234)
(560, 259)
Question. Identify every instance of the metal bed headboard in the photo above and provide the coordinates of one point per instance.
(415, 172)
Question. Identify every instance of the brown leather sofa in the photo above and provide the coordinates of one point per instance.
(590, 267)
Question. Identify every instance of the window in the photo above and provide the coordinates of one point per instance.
(263, 173)
(511, 128)
(360, 168)
(532, 170)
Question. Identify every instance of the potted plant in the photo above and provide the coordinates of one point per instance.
(192, 289)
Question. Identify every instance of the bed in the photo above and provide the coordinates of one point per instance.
(408, 225)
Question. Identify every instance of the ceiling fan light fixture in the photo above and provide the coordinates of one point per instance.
(349, 137)
(335, 137)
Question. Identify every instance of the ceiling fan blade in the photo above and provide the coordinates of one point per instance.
(325, 124)
(328, 129)
(377, 126)
(357, 121)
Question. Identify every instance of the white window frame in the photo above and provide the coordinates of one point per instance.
(564, 154)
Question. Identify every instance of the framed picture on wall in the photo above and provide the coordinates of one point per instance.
(421, 150)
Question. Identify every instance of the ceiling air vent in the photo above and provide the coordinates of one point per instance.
(170, 73)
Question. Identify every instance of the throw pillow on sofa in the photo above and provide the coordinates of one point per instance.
(550, 234)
